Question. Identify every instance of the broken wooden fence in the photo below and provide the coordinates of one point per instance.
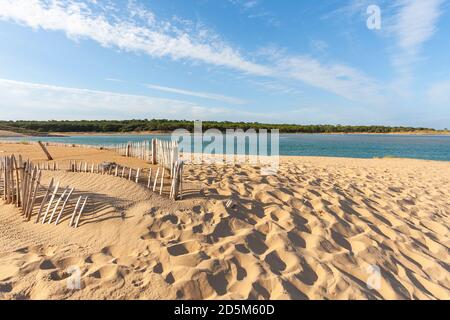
(21, 185)
(154, 180)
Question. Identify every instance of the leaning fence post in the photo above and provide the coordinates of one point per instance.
(156, 180)
(50, 202)
(33, 198)
(63, 206)
(44, 200)
(49, 157)
(57, 204)
(81, 211)
(74, 211)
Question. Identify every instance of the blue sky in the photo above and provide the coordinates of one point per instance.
(248, 60)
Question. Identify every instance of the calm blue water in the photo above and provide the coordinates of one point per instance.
(332, 145)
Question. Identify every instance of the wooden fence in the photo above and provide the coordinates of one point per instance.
(162, 152)
(21, 185)
(166, 153)
(156, 151)
(154, 180)
(141, 150)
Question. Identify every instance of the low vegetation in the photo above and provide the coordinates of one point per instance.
(164, 125)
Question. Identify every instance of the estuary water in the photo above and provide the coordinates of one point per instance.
(428, 147)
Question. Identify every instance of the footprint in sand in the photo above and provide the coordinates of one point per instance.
(186, 254)
(47, 264)
(108, 273)
(276, 264)
(255, 242)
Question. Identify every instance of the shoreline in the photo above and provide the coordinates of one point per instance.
(70, 146)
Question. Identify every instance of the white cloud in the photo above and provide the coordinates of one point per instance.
(78, 20)
(24, 100)
(416, 23)
(140, 31)
(113, 80)
(206, 95)
(275, 87)
(413, 25)
(337, 78)
(351, 9)
(245, 4)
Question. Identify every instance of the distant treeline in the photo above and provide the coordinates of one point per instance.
(100, 126)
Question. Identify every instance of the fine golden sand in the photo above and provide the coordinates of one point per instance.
(312, 231)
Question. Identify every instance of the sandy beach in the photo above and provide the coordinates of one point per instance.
(316, 230)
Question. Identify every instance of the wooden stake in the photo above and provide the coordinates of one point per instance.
(162, 181)
(38, 181)
(149, 178)
(137, 175)
(74, 211)
(29, 188)
(49, 157)
(50, 202)
(154, 141)
(180, 178)
(156, 180)
(57, 205)
(26, 177)
(63, 206)
(18, 197)
(44, 200)
(81, 211)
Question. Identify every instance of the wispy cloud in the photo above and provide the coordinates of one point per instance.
(26, 100)
(351, 9)
(337, 78)
(416, 23)
(80, 20)
(205, 95)
(275, 87)
(413, 25)
(22, 100)
(113, 80)
(253, 9)
(139, 30)
(245, 4)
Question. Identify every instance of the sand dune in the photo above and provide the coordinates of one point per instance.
(313, 231)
